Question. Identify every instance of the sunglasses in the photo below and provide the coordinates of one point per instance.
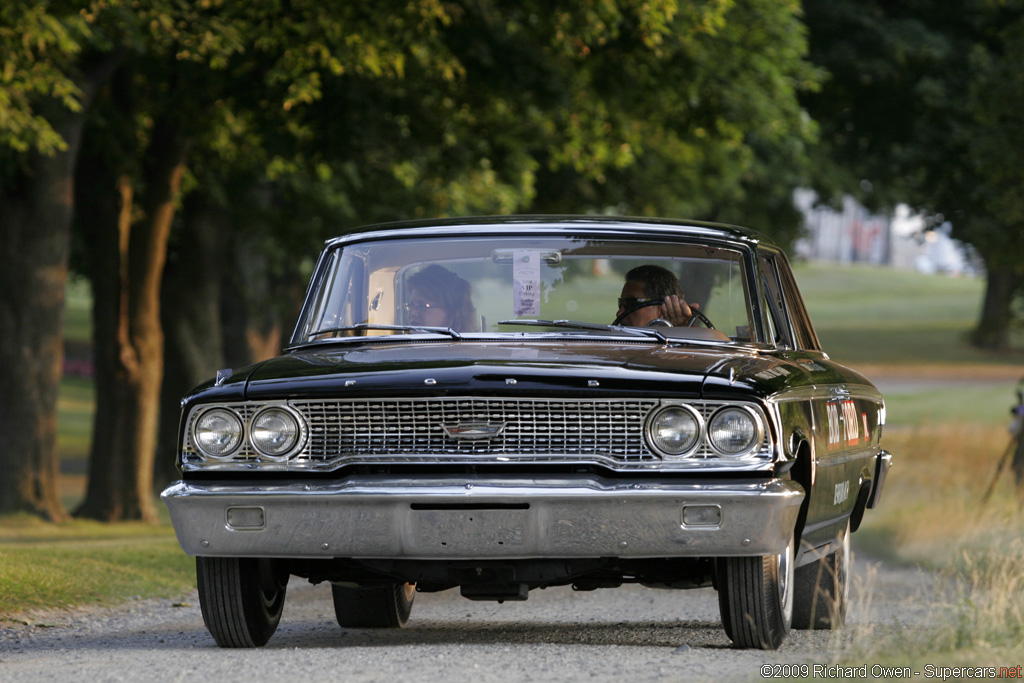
(628, 302)
(421, 306)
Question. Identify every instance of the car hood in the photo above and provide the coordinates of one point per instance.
(461, 367)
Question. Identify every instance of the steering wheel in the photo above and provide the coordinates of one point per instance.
(695, 315)
(652, 302)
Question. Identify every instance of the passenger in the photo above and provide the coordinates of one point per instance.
(652, 293)
(440, 298)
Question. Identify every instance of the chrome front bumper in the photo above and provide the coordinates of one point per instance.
(478, 518)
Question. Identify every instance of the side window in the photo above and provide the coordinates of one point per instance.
(775, 302)
(806, 338)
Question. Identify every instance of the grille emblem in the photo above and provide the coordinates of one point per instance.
(473, 430)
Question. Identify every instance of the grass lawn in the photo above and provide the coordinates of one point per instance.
(46, 566)
(879, 316)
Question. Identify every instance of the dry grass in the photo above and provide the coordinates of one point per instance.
(974, 614)
(932, 516)
(932, 508)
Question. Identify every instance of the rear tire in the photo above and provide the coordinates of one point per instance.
(755, 596)
(386, 606)
(821, 590)
(241, 599)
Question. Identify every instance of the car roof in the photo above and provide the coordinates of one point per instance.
(533, 224)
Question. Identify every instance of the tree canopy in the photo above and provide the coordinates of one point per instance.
(212, 145)
(922, 106)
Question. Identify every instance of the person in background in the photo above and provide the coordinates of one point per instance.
(440, 298)
(643, 287)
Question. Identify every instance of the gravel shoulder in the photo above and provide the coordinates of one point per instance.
(631, 633)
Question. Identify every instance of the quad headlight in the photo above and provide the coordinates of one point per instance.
(674, 430)
(734, 431)
(704, 432)
(275, 432)
(217, 433)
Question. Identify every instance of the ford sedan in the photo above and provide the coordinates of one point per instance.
(496, 405)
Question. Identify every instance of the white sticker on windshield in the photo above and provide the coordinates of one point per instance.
(526, 283)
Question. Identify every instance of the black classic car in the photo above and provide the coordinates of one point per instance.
(503, 404)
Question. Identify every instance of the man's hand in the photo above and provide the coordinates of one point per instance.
(676, 310)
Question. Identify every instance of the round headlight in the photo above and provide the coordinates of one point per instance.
(674, 430)
(217, 433)
(275, 432)
(734, 431)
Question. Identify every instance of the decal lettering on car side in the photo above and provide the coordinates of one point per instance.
(852, 423)
(833, 424)
(844, 427)
(842, 492)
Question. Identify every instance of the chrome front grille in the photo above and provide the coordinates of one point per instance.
(426, 430)
(403, 427)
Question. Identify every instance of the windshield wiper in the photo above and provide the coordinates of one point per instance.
(648, 332)
(375, 326)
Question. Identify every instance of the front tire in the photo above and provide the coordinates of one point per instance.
(387, 606)
(755, 596)
(241, 599)
(821, 590)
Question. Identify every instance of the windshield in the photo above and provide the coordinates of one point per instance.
(494, 285)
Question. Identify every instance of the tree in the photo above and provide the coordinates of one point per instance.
(524, 108)
(132, 179)
(995, 153)
(48, 88)
(171, 97)
(366, 112)
(921, 108)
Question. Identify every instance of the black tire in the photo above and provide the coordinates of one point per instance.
(755, 596)
(386, 606)
(821, 590)
(241, 599)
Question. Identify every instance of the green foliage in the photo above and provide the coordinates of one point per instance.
(995, 151)
(708, 123)
(39, 43)
(366, 114)
(431, 108)
(923, 106)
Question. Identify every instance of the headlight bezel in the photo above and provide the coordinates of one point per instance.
(240, 438)
(655, 444)
(299, 437)
(754, 444)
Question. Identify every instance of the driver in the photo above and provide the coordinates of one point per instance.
(653, 293)
(440, 298)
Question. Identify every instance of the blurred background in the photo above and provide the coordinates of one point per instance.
(169, 171)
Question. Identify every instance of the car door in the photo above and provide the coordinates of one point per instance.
(844, 410)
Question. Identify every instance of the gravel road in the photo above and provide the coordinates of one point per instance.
(628, 634)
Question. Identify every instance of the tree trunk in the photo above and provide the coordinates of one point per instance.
(121, 462)
(993, 329)
(253, 330)
(34, 232)
(191, 321)
(35, 228)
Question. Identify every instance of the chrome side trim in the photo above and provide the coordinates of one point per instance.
(827, 391)
(461, 517)
(882, 466)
